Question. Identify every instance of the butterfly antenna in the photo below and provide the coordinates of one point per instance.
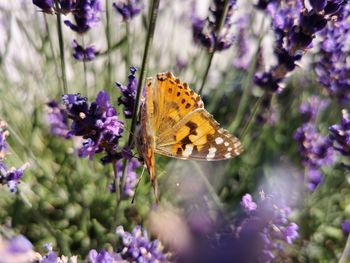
(137, 184)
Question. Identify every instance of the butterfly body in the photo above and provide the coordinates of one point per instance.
(174, 123)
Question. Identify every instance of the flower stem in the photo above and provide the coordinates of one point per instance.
(149, 38)
(63, 64)
(109, 44)
(346, 252)
(211, 53)
(128, 49)
(85, 72)
(53, 52)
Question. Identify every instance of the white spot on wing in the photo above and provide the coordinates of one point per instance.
(211, 153)
(219, 140)
(229, 149)
(188, 150)
(227, 155)
(226, 143)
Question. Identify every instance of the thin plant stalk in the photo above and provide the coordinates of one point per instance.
(149, 38)
(63, 63)
(346, 252)
(53, 52)
(109, 44)
(128, 49)
(212, 52)
(85, 72)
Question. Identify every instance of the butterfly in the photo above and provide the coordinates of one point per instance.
(174, 123)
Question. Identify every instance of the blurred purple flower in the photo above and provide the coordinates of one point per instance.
(205, 30)
(242, 58)
(19, 244)
(83, 54)
(332, 67)
(310, 108)
(340, 134)
(315, 150)
(248, 204)
(346, 226)
(130, 177)
(45, 5)
(57, 119)
(295, 28)
(138, 247)
(103, 257)
(85, 15)
(98, 124)
(3, 134)
(128, 93)
(128, 8)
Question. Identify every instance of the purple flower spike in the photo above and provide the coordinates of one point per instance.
(128, 8)
(85, 15)
(128, 93)
(83, 54)
(103, 257)
(340, 134)
(205, 30)
(45, 5)
(57, 119)
(19, 244)
(311, 107)
(98, 124)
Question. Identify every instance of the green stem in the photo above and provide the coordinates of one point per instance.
(86, 90)
(346, 252)
(211, 53)
(149, 38)
(63, 64)
(53, 52)
(251, 118)
(109, 45)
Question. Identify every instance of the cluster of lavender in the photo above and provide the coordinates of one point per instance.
(138, 247)
(340, 134)
(97, 123)
(86, 15)
(271, 218)
(128, 9)
(332, 68)
(316, 150)
(295, 27)
(11, 177)
(205, 31)
(242, 59)
(57, 119)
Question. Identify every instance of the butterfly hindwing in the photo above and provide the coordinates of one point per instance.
(198, 136)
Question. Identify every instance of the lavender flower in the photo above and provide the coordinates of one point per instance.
(248, 204)
(128, 93)
(3, 134)
(311, 107)
(57, 119)
(17, 249)
(138, 247)
(98, 124)
(315, 149)
(83, 54)
(340, 134)
(85, 15)
(205, 30)
(346, 226)
(332, 67)
(242, 59)
(295, 28)
(271, 217)
(104, 257)
(131, 177)
(128, 8)
(45, 5)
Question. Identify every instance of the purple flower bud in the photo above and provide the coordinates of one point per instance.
(128, 93)
(19, 244)
(346, 226)
(83, 54)
(248, 204)
(57, 119)
(45, 5)
(340, 134)
(128, 8)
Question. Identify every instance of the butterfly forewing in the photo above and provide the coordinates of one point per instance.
(183, 128)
